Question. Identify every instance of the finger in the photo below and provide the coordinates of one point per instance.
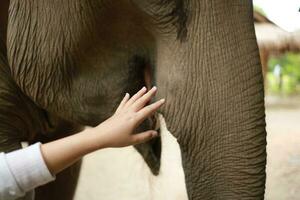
(136, 96)
(149, 110)
(144, 136)
(124, 100)
(141, 102)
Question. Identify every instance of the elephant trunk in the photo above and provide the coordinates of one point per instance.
(213, 86)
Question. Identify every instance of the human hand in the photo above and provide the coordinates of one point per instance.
(117, 130)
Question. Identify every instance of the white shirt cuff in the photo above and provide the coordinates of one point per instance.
(28, 167)
(9, 188)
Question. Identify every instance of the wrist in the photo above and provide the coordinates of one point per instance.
(92, 140)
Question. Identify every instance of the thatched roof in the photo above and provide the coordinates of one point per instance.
(272, 38)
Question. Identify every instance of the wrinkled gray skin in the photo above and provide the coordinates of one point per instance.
(68, 63)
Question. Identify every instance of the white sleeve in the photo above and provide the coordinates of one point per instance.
(22, 171)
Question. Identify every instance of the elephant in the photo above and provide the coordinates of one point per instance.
(66, 64)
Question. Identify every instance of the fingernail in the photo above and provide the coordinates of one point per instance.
(162, 100)
(154, 87)
(154, 133)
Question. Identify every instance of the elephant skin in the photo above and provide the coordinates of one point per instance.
(68, 63)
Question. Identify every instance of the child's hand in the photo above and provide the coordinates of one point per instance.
(114, 132)
(117, 130)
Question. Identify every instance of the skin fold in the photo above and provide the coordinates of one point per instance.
(67, 63)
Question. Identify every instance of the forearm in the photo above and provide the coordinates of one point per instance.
(62, 153)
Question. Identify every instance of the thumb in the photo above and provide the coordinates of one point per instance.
(144, 136)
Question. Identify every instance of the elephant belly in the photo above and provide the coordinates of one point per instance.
(121, 173)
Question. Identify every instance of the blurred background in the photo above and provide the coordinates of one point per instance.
(277, 25)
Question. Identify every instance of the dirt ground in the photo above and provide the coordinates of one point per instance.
(115, 174)
(283, 162)
(121, 174)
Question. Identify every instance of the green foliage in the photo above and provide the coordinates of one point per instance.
(289, 62)
(290, 70)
